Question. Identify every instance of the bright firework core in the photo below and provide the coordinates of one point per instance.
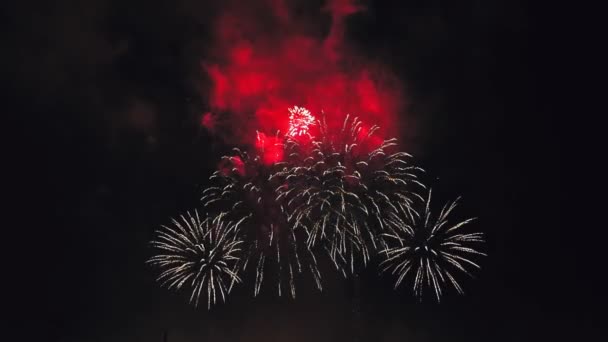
(300, 120)
(270, 148)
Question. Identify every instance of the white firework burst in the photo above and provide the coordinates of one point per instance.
(300, 120)
(199, 254)
(246, 187)
(429, 250)
(342, 187)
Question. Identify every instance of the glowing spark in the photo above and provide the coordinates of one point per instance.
(300, 120)
(428, 249)
(201, 254)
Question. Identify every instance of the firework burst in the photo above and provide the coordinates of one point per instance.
(428, 250)
(340, 188)
(245, 186)
(200, 254)
(300, 120)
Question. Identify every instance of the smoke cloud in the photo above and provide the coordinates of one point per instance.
(272, 55)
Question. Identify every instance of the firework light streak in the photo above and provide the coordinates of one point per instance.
(429, 250)
(343, 188)
(246, 187)
(199, 253)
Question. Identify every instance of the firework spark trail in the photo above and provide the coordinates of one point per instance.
(199, 253)
(429, 249)
(246, 187)
(343, 186)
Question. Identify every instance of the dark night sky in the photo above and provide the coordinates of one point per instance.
(108, 94)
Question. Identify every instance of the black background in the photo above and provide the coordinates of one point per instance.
(107, 94)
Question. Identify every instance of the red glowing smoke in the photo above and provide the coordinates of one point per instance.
(269, 147)
(266, 60)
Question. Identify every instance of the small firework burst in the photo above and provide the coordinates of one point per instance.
(428, 249)
(245, 186)
(300, 120)
(200, 254)
(342, 187)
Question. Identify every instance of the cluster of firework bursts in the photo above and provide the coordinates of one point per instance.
(342, 195)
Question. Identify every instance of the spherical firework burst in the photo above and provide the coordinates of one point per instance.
(300, 120)
(201, 254)
(246, 187)
(342, 186)
(428, 249)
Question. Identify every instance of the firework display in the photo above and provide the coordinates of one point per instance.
(315, 193)
(200, 254)
(428, 249)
